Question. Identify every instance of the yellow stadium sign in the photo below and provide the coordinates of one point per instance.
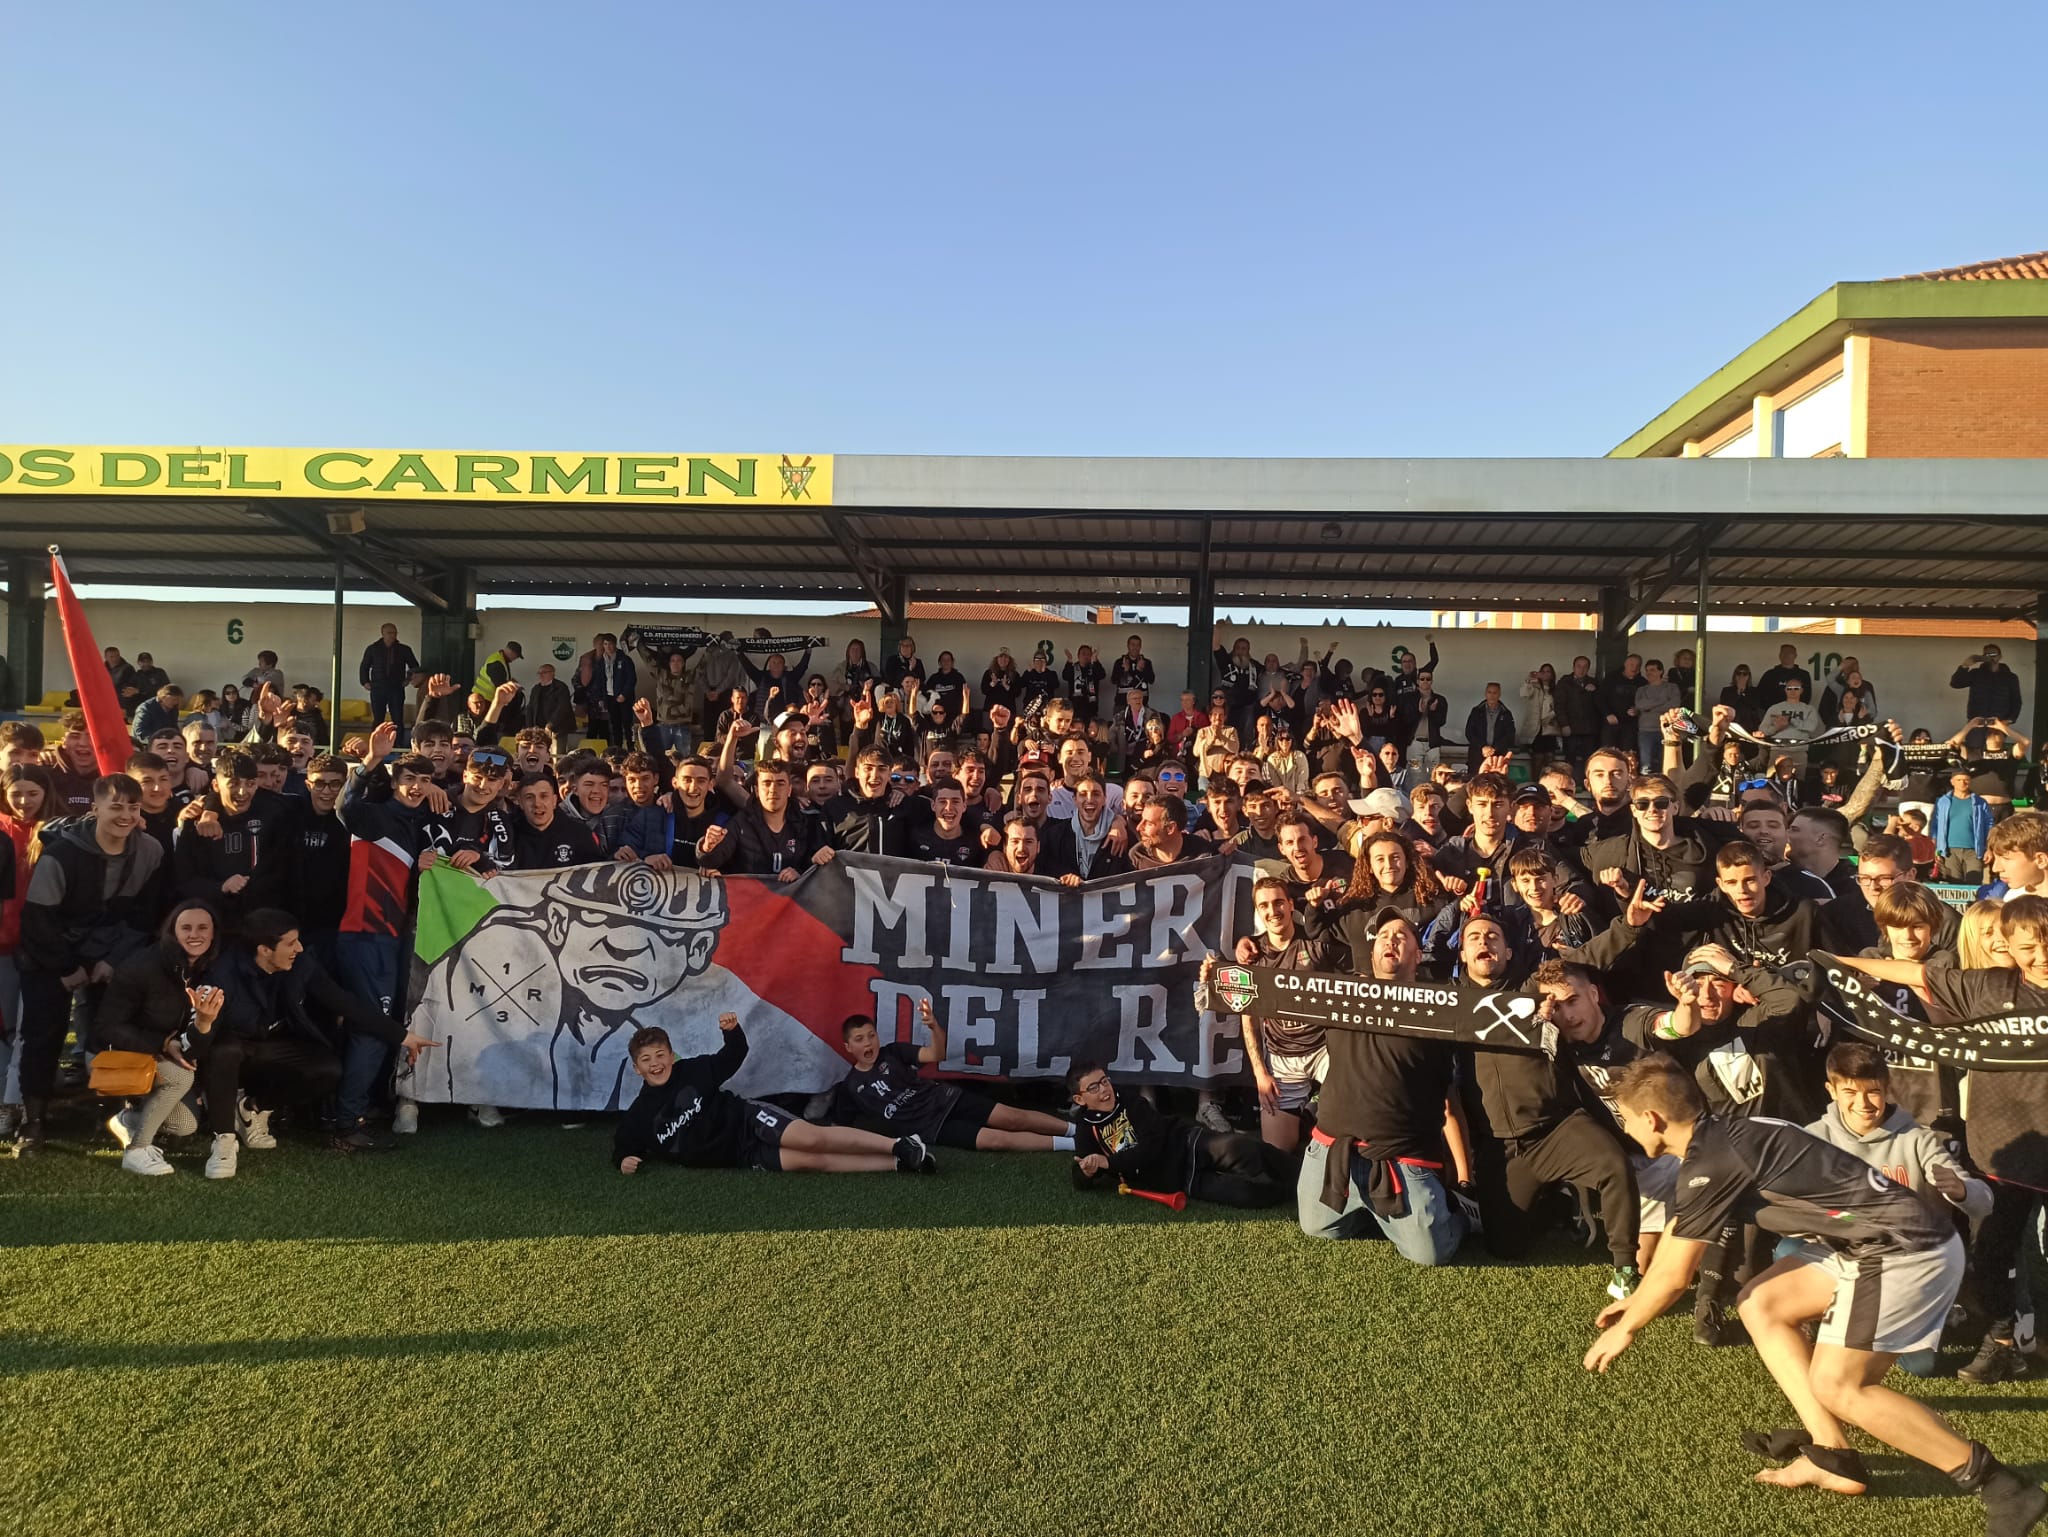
(416, 475)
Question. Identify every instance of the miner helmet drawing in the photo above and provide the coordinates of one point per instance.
(568, 976)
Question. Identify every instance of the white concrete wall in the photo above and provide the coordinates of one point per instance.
(190, 640)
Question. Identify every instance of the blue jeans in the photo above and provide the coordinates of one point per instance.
(387, 702)
(370, 965)
(1428, 1235)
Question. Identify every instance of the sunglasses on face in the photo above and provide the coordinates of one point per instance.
(1173, 779)
(490, 760)
(1753, 784)
(1653, 803)
(902, 779)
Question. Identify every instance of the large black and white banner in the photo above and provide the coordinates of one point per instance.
(534, 982)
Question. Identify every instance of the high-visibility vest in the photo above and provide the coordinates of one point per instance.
(485, 684)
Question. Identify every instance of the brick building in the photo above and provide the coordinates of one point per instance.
(1949, 364)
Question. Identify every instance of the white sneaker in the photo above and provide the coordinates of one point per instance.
(147, 1160)
(1210, 1115)
(487, 1115)
(124, 1124)
(256, 1132)
(220, 1163)
(181, 1122)
(405, 1120)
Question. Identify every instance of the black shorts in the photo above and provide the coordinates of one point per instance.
(761, 1141)
(963, 1123)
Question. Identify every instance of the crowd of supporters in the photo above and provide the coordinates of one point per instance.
(236, 905)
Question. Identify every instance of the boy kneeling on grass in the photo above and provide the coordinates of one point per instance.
(885, 1091)
(684, 1115)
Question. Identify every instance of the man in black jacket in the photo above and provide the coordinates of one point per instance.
(1577, 697)
(387, 672)
(1531, 1131)
(87, 908)
(272, 1040)
(1618, 705)
(1994, 690)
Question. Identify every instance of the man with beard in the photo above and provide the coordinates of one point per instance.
(1531, 1132)
(1378, 1152)
(1607, 784)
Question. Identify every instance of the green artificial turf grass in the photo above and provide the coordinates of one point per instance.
(492, 1331)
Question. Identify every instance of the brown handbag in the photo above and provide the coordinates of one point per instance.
(123, 1074)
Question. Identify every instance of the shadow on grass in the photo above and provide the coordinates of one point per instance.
(536, 1179)
(25, 1355)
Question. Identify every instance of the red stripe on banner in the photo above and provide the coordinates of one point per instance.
(103, 718)
(789, 958)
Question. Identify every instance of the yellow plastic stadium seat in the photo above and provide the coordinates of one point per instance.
(53, 701)
(355, 709)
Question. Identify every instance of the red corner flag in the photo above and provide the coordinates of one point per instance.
(103, 717)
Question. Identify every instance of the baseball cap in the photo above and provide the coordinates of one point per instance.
(1532, 795)
(1699, 965)
(1383, 916)
(1003, 651)
(1390, 804)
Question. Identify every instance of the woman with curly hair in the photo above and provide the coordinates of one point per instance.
(1388, 872)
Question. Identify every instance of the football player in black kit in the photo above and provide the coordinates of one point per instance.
(685, 1115)
(1891, 1269)
(884, 1090)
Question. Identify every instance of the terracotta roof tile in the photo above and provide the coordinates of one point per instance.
(2032, 265)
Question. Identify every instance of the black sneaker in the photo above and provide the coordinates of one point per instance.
(1995, 1361)
(1714, 1325)
(362, 1140)
(2012, 1506)
(913, 1157)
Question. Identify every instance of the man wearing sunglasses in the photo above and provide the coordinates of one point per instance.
(1670, 854)
(247, 864)
(476, 831)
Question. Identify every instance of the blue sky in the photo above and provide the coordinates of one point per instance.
(1082, 229)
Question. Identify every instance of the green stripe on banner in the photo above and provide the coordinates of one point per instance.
(451, 904)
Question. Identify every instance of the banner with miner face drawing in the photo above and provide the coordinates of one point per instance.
(535, 981)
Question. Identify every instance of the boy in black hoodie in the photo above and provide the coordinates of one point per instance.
(685, 1115)
(1131, 1142)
